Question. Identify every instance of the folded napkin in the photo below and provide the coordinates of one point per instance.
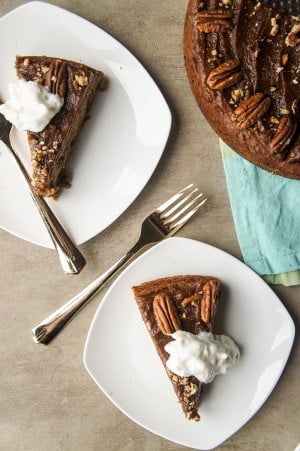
(266, 212)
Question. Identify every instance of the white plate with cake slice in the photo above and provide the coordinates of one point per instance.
(122, 360)
(118, 147)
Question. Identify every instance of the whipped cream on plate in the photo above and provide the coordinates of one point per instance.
(31, 106)
(203, 355)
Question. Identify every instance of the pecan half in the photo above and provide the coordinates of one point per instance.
(225, 75)
(56, 78)
(294, 155)
(252, 109)
(213, 21)
(207, 303)
(284, 134)
(165, 314)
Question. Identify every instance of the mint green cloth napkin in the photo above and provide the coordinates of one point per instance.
(266, 212)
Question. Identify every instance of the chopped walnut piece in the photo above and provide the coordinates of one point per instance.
(191, 415)
(39, 80)
(274, 30)
(81, 80)
(257, 6)
(237, 94)
(193, 389)
(274, 120)
(275, 27)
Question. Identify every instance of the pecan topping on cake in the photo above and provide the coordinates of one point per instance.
(225, 75)
(51, 147)
(242, 59)
(56, 77)
(194, 298)
(213, 21)
(165, 314)
(252, 109)
(285, 132)
(207, 304)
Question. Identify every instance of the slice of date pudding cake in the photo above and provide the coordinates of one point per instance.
(173, 303)
(178, 312)
(76, 84)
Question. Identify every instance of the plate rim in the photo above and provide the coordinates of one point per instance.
(105, 299)
(164, 106)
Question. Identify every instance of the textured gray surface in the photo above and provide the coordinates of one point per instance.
(48, 401)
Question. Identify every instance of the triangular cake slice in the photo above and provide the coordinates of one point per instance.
(179, 302)
(50, 148)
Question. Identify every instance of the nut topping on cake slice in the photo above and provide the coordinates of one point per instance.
(185, 303)
(242, 59)
(225, 75)
(50, 148)
(165, 314)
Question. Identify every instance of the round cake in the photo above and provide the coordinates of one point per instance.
(243, 63)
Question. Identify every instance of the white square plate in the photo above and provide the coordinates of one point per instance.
(117, 149)
(120, 356)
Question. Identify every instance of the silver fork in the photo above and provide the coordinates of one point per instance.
(164, 222)
(71, 259)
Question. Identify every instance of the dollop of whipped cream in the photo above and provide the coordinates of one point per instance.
(204, 355)
(31, 106)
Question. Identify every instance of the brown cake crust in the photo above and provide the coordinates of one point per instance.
(51, 147)
(253, 105)
(178, 302)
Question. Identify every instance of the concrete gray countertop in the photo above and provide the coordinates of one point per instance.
(48, 401)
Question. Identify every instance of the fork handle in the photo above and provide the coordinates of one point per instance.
(71, 259)
(52, 325)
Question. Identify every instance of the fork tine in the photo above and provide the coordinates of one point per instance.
(169, 211)
(181, 211)
(163, 207)
(180, 223)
